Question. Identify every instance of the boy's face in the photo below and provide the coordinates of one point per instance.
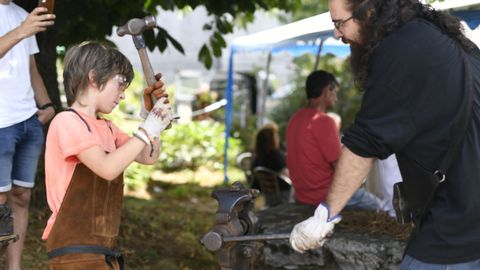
(113, 91)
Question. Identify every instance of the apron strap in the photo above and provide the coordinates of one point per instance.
(92, 249)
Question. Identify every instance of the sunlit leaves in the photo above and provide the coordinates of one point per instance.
(93, 20)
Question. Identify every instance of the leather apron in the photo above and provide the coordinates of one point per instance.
(84, 235)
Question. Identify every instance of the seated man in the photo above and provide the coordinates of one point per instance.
(313, 145)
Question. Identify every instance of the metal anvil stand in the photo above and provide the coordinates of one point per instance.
(232, 237)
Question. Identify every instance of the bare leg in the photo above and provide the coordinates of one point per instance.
(3, 200)
(18, 200)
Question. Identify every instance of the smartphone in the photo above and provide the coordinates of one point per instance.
(48, 4)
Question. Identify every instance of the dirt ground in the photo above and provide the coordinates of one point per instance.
(158, 233)
(364, 221)
(163, 232)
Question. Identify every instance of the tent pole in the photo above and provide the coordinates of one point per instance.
(228, 114)
(263, 93)
(317, 59)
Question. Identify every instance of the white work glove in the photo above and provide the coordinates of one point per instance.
(313, 232)
(158, 119)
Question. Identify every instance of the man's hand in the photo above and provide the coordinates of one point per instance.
(46, 114)
(312, 232)
(158, 119)
(36, 21)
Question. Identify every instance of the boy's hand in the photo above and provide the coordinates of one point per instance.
(157, 91)
(158, 119)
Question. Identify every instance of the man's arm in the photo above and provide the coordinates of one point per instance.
(40, 92)
(34, 23)
(350, 172)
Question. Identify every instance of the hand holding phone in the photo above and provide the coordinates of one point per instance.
(49, 4)
(38, 20)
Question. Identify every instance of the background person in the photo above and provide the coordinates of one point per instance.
(383, 175)
(269, 155)
(313, 145)
(24, 108)
(411, 61)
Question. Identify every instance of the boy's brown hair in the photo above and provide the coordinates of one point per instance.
(103, 61)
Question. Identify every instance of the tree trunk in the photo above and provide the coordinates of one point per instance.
(47, 66)
(46, 63)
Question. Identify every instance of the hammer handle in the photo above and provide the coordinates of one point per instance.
(148, 72)
(258, 237)
(147, 67)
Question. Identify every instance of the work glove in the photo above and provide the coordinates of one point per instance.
(155, 91)
(313, 232)
(158, 119)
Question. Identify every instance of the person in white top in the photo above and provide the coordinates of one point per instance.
(383, 175)
(24, 108)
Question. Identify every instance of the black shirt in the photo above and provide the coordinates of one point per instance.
(415, 88)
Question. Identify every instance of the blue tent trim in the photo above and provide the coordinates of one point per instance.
(228, 114)
(471, 17)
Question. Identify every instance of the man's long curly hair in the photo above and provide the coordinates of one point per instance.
(378, 18)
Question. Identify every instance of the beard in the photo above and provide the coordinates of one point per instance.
(359, 59)
(356, 63)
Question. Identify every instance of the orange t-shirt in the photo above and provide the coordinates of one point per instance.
(68, 136)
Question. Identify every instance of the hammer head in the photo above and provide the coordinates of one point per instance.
(136, 26)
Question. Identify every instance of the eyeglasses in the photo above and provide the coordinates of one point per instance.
(339, 23)
(122, 81)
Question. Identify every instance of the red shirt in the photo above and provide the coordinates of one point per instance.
(313, 146)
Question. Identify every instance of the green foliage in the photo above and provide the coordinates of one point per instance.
(137, 175)
(195, 144)
(184, 146)
(245, 135)
(93, 20)
(349, 96)
(307, 9)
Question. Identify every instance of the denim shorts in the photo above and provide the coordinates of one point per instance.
(410, 263)
(20, 148)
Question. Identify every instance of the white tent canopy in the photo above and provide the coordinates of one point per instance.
(306, 32)
(316, 24)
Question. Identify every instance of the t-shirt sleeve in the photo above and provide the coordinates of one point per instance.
(413, 72)
(72, 135)
(32, 45)
(120, 137)
(385, 123)
(327, 137)
(382, 126)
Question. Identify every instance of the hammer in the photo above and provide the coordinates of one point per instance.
(135, 28)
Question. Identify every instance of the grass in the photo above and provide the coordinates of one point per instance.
(158, 231)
